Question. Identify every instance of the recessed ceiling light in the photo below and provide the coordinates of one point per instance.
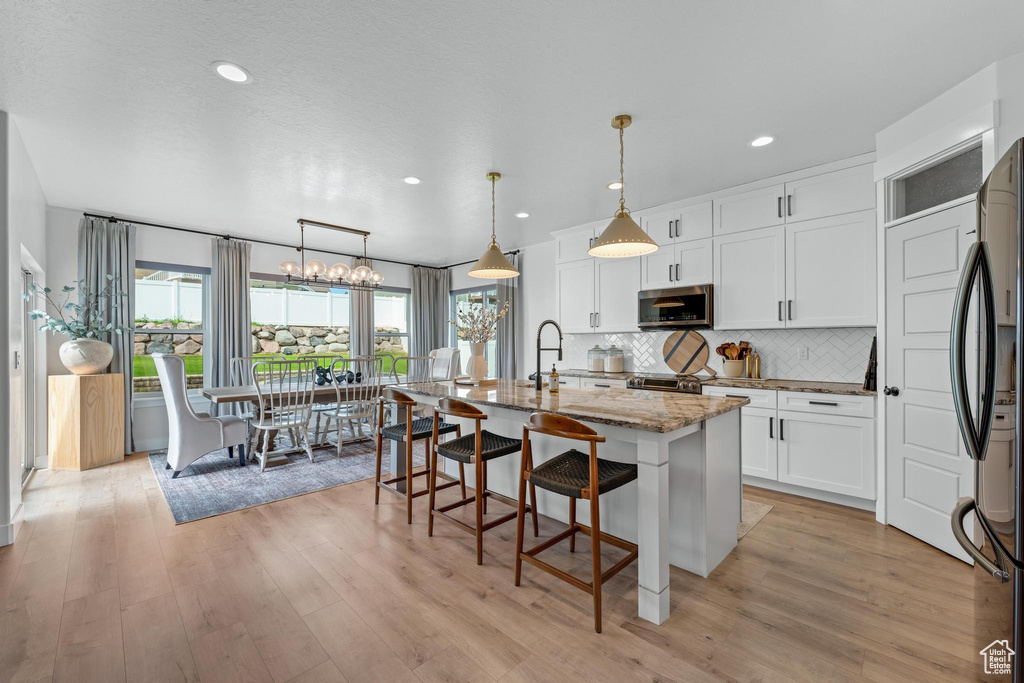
(232, 72)
(412, 180)
(615, 186)
(761, 141)
(522, 214)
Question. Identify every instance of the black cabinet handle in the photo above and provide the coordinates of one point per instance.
(603, 386)
(771, 425)
(782, 427)
(677, 272)
(678, 232)
(789, 205)
(735, 396)
(670, 272)
(670, 229)
(780, 206)
(780, 310)
(789, 308)
(824, 403)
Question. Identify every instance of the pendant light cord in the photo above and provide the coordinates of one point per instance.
(494, 241)
(622, 172)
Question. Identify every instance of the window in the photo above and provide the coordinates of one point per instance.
(463, 299)
(168, 319)
(391, 325)
(951, 178)
(299, 320)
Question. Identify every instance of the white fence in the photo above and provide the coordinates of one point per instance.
(163, 300)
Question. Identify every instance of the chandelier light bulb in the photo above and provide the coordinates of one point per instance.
(377, 277)
(289, 267)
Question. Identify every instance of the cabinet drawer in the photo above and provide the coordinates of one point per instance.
(588, 383)
(568, 382)
(759, 398)
(1005, 417)
(827, 404)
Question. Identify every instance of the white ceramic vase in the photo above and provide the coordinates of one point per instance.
(477, 365)
(86, 356)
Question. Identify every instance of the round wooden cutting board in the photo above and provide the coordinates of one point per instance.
(686, 352)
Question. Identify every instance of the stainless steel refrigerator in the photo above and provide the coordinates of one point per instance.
(985, 363)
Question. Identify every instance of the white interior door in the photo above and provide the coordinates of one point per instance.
(927, 468)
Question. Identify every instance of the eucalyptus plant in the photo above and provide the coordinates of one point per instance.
(82, 319)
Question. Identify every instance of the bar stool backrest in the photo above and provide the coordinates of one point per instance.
(563, 427)
(457, 408)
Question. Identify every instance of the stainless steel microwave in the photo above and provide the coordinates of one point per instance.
(676, 307)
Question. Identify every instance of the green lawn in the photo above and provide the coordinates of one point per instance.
(145, 367)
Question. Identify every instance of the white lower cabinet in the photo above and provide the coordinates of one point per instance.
(568, 382)
(758, 442)
(827, 452)
(593, 383)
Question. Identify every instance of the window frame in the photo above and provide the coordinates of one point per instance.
(205, 281)
(453, 335)
(408, 316)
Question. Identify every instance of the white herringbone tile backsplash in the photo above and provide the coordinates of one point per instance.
(834, 355)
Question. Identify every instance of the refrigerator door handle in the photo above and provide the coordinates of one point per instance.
(961, 510)
(977, 265)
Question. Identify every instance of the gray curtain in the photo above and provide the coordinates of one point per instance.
(108, 248)
(508, 327)
(229, 317)
(431, 289)
(362, 317)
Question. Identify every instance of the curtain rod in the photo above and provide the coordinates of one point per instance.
(196, 231)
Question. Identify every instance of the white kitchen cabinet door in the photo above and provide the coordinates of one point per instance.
(695, 222)
(750, 280)
(749, 210)
(830, 272)
(999, 480)
(661, 226)
(659, 268)
(618, 281)
(695, 261)
(830, 194)
(827, 452)
(573, 246)
(574, 296)
(758, 442)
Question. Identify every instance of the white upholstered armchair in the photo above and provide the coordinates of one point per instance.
(191, 435)
(447, 363)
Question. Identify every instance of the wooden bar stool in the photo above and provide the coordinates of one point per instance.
(473, 449)
(408, 431)
(576, 475)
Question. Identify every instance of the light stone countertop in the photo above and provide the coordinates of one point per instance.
(651, 411)
(847, 388)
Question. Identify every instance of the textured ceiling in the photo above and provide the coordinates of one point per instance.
(121, 112)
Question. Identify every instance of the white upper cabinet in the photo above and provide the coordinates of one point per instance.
(574, 296)
(749, 210)
(572, 245)
(830, 272)
(830, 194)
(679, 225)
(661, 227)
(616, 282)
(750, 279)
(680, 265)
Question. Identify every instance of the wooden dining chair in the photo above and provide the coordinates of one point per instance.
(473, 449)
(285, 394)
(407, 430)
(575, 475)
(357, 383)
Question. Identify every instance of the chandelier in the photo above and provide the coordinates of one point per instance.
(316, 272)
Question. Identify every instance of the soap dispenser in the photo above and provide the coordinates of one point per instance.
(553, 380)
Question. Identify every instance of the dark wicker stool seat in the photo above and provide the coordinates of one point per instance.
(568, 474)
(407, 431)
(575, 475)
(463, 449)
(422, 428)
(475, 449)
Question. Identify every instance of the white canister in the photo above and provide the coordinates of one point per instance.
(595, 359)
(615, 361)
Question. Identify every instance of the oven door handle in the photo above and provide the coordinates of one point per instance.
(965, 506)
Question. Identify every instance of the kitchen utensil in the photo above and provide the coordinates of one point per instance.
(687, 352)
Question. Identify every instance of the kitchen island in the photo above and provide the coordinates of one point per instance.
(688, 498)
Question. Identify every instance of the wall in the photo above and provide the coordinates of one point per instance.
(23, 216)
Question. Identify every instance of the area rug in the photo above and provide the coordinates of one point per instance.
(752, 514)
(215, 484)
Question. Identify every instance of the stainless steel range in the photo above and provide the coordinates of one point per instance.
(682, 384)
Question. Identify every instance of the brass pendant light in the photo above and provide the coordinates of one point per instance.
(493, 264)
(623, 237)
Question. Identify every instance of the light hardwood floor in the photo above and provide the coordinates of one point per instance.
(102, 586)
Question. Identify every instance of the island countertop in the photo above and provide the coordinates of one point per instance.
(651, 411)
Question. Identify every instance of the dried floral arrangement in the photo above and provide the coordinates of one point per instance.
(478, 323)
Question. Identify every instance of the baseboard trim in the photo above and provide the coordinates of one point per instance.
(826, 496)
(8, 532)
